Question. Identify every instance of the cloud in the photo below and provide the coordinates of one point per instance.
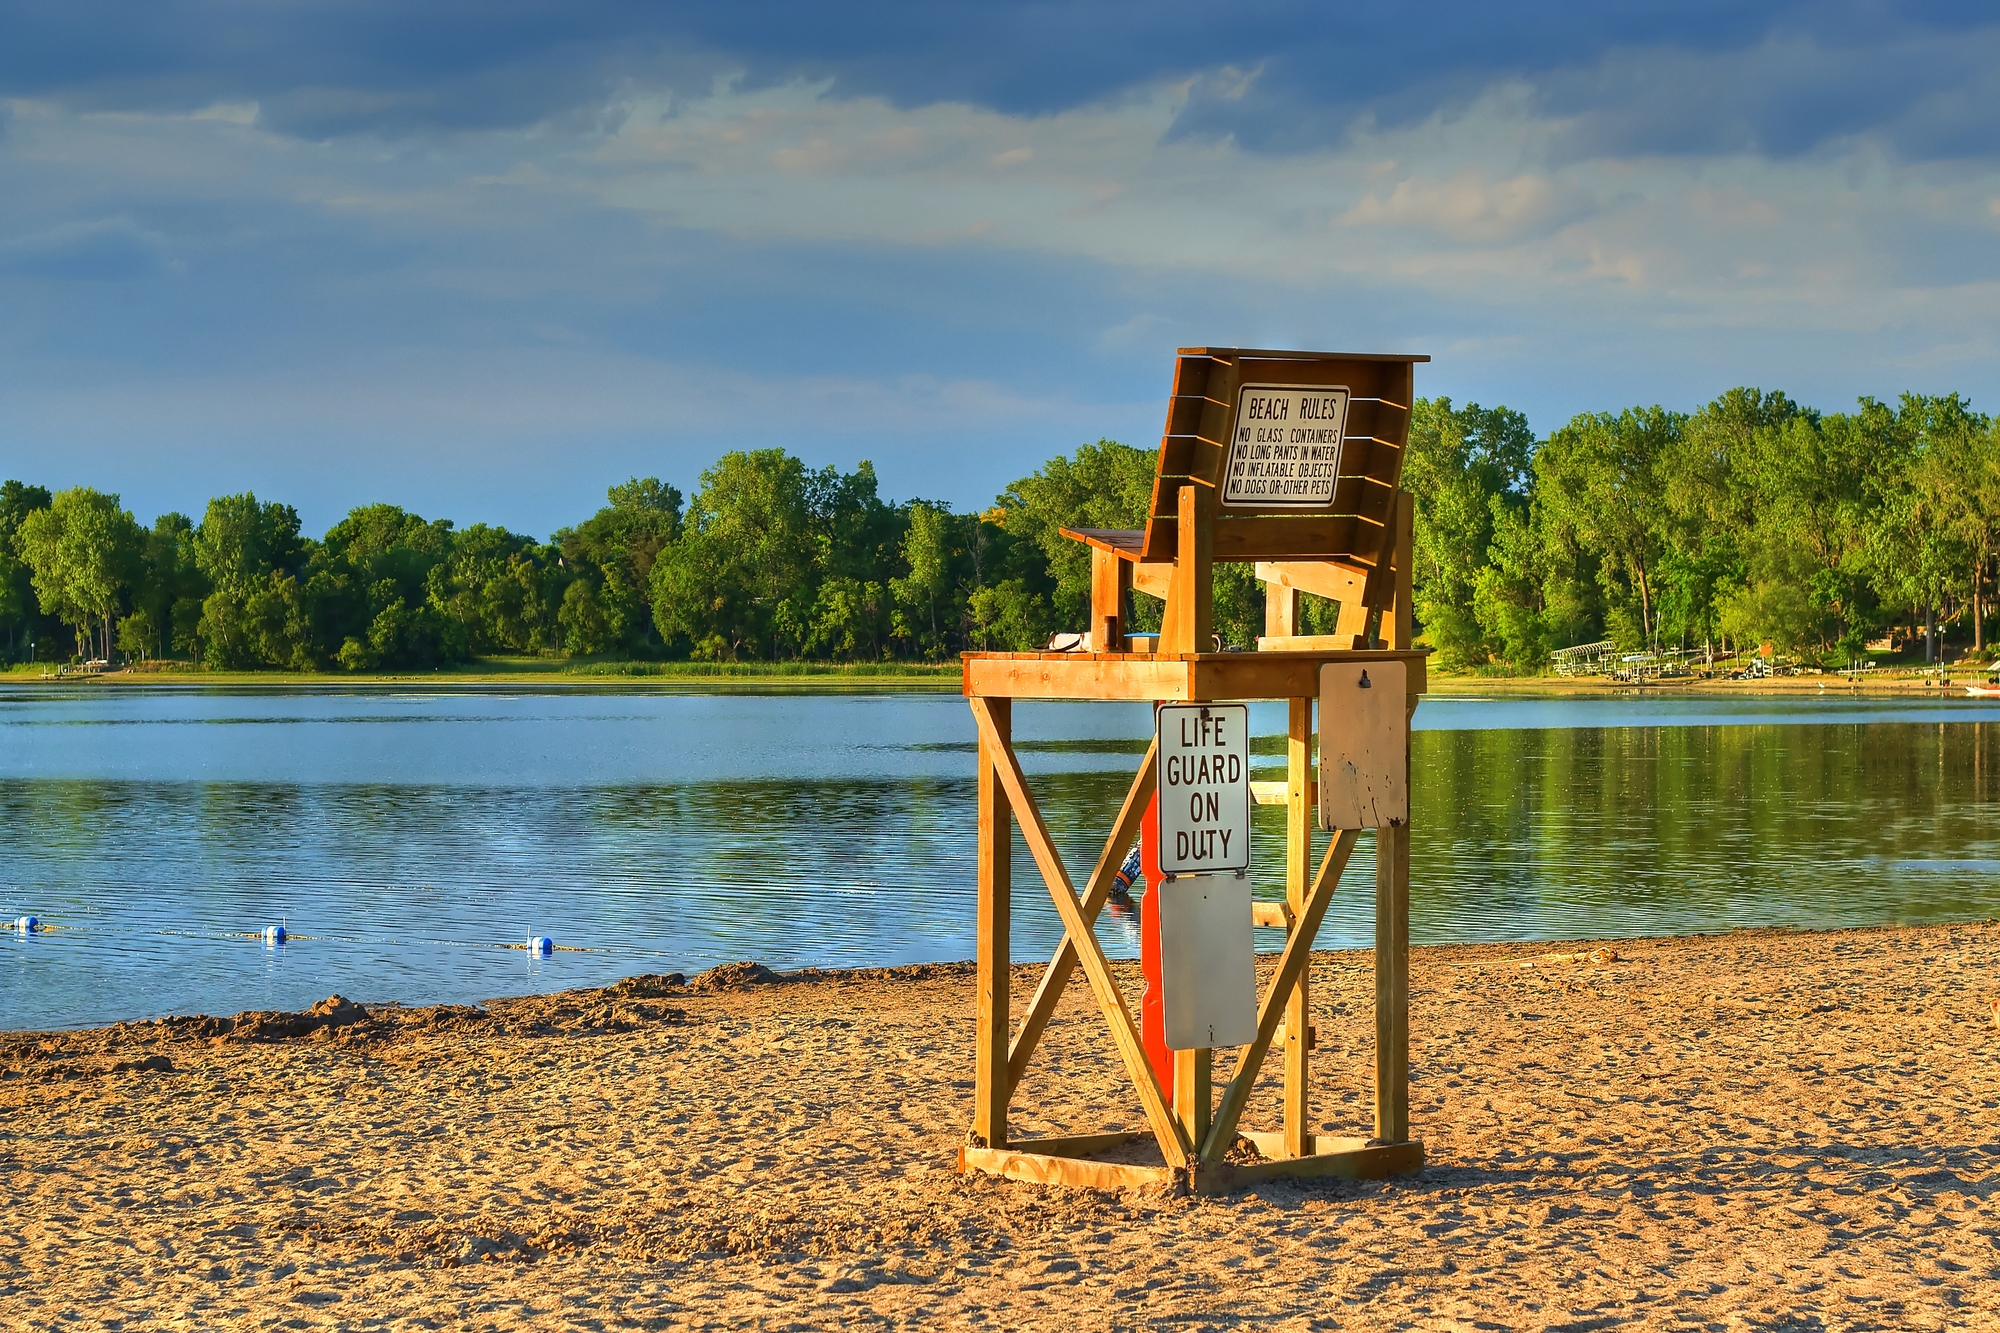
(1469, 207)
(106, 250)
(1779, 77)
(487, 248)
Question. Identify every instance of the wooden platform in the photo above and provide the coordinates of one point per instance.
(1168, 677)
(1067, 1161)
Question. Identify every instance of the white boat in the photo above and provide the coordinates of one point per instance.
(1983, 691)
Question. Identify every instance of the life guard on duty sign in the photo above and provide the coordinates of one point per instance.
(1204, 788)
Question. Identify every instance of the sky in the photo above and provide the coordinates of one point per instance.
(484, 260)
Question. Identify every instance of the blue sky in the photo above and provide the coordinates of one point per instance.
(483, 260)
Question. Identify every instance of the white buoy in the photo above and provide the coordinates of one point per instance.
(28, 925)
(274, 936)
(541, 946)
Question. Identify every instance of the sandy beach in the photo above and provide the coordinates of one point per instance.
(1761, 1130)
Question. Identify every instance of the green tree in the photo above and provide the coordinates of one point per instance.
(82, 552)
(1599, 481)
(1105, 485)
(1466, 469)
(739, 582)
(20, 613)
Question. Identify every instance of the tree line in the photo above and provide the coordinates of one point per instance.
(1751, 520)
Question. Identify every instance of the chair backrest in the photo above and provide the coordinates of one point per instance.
(1303, 452)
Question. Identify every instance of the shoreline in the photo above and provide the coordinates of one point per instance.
(837, 681)
(1759, 1128)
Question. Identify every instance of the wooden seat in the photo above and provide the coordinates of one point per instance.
(1355, 548)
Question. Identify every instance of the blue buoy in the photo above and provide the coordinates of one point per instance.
(541, 946)
(28, 925)
(274, 935)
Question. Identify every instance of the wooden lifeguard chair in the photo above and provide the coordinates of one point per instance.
(1291, 460)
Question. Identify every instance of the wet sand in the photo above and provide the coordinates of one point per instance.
(1762, 1130)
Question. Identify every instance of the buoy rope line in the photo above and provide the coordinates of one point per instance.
(397, 944)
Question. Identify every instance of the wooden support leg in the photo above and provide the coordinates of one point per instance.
(1392, 983)
(1194, 1091)
(1271, 1013)
(1188, 627)
(1281, 609)
(990, 1082)
(1173, 1140)
(1110, 578)
(1298, 866)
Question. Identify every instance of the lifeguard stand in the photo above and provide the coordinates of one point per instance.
(1321, 511)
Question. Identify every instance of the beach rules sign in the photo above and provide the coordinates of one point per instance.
(1285, 450)
(1204, 788)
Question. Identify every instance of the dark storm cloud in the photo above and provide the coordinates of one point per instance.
(1697, 76)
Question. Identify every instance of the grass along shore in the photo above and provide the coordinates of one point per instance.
(1912, 681)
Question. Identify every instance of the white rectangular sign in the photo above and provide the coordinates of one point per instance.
(1208, 964)
(1204, 787)
(1285, 450)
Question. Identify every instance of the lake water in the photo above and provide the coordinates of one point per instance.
(405, 837)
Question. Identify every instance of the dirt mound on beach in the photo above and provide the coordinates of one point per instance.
(734, 976)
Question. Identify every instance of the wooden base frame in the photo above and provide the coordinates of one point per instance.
(1338, 1158)
(1195, 1130)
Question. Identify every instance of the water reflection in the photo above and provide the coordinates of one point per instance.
(407, 841)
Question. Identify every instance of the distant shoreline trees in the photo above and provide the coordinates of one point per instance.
(1751, 520)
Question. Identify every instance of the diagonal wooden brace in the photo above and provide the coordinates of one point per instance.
(1174, 1144)
(1056, 977)
(1291, 966)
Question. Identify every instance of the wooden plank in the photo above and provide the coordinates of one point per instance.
(1281, 608)
(1166, 677)
(1153, 579)
(1298, 864)
(1280, 354)
(1402, 628)
(1323, 578)
(1125, 541)
(1282, 675)
(1187, 627)
(1078, 1145)
(1055, 977)
(1392, 983)
(1311, 643)
(1273, 916)
(1271, 1143)
(1109, 577)
(1194, 1091)
(1173, 1144)
(991, 1085)
(1353, 622)
(1293, 537)
(1368, 1162)
(1364, 377)
(1077, 676)
(1046, 1170)
(1291, 966)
